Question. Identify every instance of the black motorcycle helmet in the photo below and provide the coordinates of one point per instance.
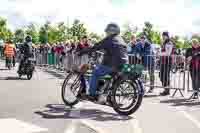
(28, 39)
(112, 29)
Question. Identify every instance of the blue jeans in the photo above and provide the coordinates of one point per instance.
(100, 70)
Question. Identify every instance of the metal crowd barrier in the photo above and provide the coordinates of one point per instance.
(59, 61)
(179, 74)
(175, 68)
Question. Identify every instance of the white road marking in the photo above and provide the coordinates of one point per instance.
(71, 128)
(136, 127)
(191, 118)
(92, 126)
(76, 112)
(16, 126)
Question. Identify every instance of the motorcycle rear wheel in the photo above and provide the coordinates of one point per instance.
(136, 99)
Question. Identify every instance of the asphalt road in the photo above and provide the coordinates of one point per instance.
(35, 106)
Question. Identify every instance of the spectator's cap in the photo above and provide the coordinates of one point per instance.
(165, 33)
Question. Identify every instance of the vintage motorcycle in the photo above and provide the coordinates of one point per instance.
(125, 84)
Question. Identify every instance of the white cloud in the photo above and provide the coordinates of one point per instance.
(177, 16)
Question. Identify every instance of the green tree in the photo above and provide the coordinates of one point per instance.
(19, 35)
(62, 31)
(177, 41)
(77, 30)
(43, 35)
(32, 31)
(128, 31)
(156, 38)
(43, 32)
(5, 32)
(148, 31)
(187, 43)
(2, 28)
(53, 34)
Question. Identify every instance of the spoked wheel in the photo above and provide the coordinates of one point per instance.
(71, 88)
(126, 98)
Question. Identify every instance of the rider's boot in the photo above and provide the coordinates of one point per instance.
(84, 96)
(92, 98)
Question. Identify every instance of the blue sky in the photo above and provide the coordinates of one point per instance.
(180, 17)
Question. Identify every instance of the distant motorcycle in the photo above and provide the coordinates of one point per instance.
(28, 68)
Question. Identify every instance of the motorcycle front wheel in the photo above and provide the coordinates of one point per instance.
(71, 88)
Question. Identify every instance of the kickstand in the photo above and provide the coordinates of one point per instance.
(179, 90)
(194, 96)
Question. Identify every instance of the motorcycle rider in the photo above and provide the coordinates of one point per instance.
(26, 50)
(115, 54)
(9, 50)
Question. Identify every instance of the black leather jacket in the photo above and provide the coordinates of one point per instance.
(115, 51)
(27, 50)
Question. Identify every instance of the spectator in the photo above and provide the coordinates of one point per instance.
(1, 49)
(166, 61)
(45, 53)
(143, 48)
(131, 48)
(59, 50)
(53, 51)
(83, 43)
(193, 58)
